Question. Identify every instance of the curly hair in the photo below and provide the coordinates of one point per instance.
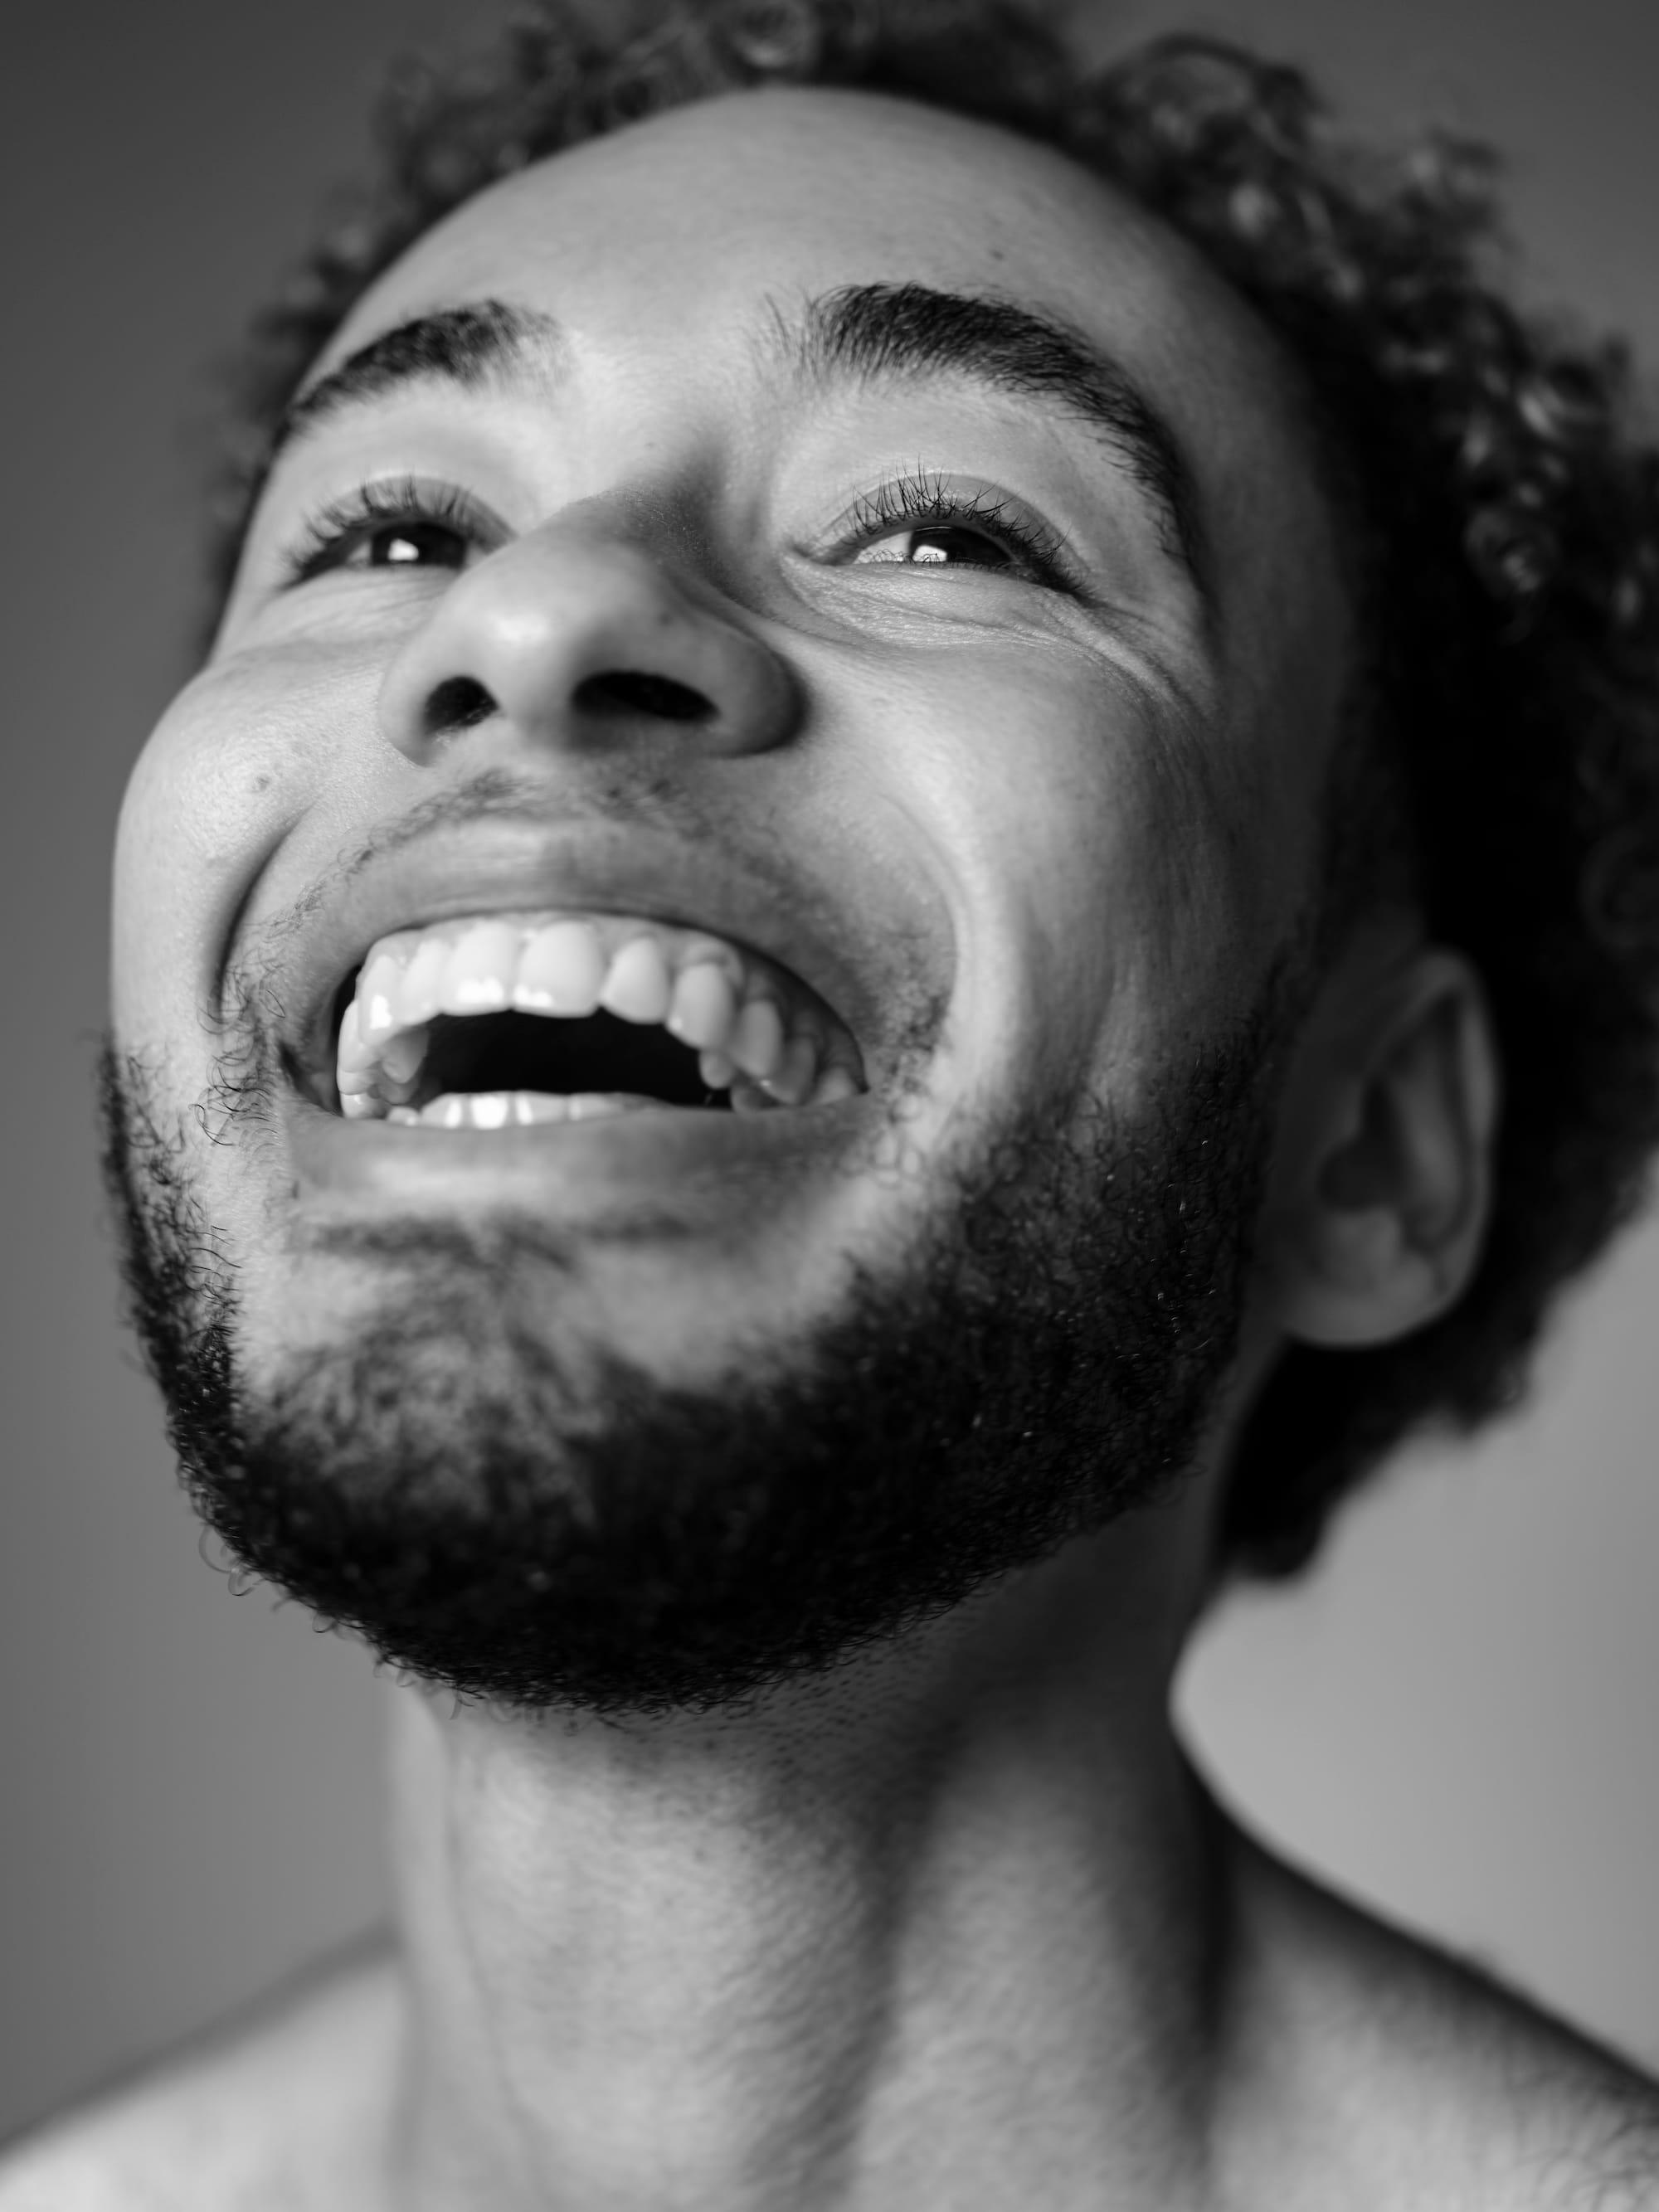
(1501, 509)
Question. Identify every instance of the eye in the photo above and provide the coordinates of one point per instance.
(941, 545)
(924, 521)
(405, 525)
(412, 544)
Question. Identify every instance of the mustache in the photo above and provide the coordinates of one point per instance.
(248, 1014)
(625, 799)
(630, 797)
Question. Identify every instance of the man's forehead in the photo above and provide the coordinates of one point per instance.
(724, 203)
(688, 229)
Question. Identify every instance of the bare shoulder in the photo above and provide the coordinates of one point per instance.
(1367, 2069)
(283, 2112)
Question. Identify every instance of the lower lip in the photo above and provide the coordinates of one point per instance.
(381, 1165)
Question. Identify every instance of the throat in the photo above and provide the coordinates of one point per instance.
(511, 1052)
(639, 1934)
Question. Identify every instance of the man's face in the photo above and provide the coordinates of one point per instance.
(694, 597)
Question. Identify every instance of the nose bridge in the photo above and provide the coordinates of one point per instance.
(576, 634)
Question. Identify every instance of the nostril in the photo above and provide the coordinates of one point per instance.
(457, 703)
(622, 691)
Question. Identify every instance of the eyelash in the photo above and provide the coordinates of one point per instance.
(924, 501)
(918, 499)
(336, 530)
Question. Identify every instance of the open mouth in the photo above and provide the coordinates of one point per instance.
(501, 1020)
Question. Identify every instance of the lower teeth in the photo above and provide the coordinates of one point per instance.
(503, 1109)
(523, 1109)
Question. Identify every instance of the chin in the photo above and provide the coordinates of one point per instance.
(480, 1472)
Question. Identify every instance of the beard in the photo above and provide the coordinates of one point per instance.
(541, 1530)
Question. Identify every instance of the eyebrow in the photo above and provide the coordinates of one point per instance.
(862, 331)
(468, 346)
(893, 330)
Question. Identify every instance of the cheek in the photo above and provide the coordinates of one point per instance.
(1067, 842)
(220, 786)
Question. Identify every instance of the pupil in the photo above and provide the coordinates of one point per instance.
(944, 544)
(411, 541)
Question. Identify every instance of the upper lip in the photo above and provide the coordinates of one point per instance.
(506, 864)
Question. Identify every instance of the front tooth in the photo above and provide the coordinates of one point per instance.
(490, 1109)
(359, 1105)
(704, 1007)
(638, 988)
(478, 974)
(757, 1042)
(421, 995)
(376, 997)
(560, 970)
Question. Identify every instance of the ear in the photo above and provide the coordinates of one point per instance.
(1382, 1177)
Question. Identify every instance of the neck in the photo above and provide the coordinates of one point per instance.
(937, 1930)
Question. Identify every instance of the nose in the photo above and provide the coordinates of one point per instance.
(572, 636)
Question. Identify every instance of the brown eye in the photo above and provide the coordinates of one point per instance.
(408, 523)
(413, 544)
(940, 546)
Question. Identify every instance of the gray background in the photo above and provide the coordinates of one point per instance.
(1454, 1716)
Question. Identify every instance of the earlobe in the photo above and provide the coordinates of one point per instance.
(1382, 1185)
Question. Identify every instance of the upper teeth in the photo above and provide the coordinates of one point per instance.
(753, 1025)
